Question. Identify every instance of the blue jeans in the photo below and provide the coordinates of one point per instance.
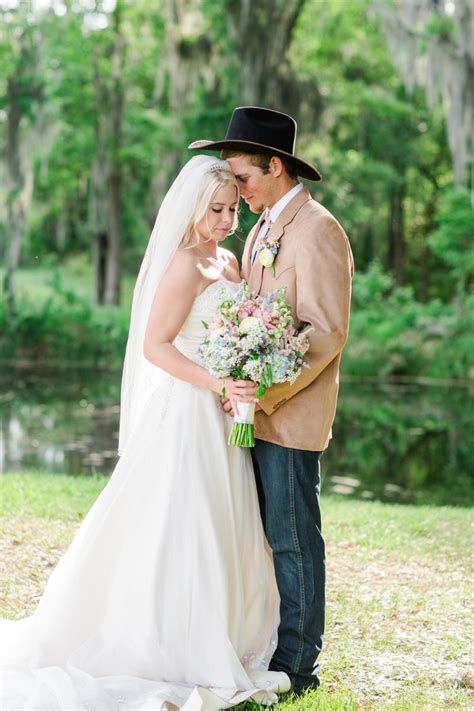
(288, 483)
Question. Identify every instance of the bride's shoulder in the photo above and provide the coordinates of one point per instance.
(185, 259)
(183, 268)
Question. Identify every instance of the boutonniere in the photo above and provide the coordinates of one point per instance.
(267, 250)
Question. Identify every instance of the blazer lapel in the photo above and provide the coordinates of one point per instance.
(277, 232)
(249, 245)
(255, 276)
(286, 216)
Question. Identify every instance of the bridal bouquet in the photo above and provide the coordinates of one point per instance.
(253, 338)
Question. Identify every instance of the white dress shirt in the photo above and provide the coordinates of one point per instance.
(273, 214)
(279, 206)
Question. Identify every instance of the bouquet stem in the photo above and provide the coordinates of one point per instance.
(242, 433)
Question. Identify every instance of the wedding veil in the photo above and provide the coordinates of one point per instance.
(140, 377)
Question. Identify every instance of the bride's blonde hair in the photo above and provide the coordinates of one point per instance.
(213, 180)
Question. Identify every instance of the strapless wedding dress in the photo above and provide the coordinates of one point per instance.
(166, 597)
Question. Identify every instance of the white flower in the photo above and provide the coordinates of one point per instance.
(266, 258)
(249, 324)
(216, 334)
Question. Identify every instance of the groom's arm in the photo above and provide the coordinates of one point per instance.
(324, 268)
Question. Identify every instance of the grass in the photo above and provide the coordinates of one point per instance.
(398, 621)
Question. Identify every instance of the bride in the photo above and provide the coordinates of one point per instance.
(166, 597)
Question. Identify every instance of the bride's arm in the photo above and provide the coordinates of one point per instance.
(171, 305)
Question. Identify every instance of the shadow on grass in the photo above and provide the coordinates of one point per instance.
(320, 700)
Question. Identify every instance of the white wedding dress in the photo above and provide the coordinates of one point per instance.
(166, 597)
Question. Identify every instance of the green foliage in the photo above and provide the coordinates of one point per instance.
(453, 241)
(356, 123)
(440, 25)
(62, 327)
(371, 139)
(392, 333)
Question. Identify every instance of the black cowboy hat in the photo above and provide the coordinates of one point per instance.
(253, 129)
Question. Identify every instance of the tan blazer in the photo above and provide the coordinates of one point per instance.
(315, 264)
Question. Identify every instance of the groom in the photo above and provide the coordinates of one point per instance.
(297, 244)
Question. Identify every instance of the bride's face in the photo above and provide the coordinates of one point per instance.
(219, 218)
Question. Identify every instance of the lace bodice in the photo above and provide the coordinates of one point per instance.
(204, 308)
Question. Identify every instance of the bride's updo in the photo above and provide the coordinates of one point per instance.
(219, 174)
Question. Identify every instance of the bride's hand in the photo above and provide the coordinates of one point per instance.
(230, 407)
(238, 390)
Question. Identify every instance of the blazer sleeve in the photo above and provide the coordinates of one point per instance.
(324, 267)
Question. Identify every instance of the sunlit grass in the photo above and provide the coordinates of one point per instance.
(38, 495)
(398, 622)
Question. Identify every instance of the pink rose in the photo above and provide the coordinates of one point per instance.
(243, 313)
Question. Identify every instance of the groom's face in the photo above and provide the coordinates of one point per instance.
(256, 187)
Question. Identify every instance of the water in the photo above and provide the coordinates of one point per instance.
(391, 442)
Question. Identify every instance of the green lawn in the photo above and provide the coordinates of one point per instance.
(398, 620)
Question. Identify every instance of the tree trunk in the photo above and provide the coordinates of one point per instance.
(14, 227)
(396, 234)
(15, 216)
(366, 252)
(112, 269)
(24, 93)
(99, 258)
(260, 34)
(8, 442)
(98, 211)
(106, 180)
(61, 231)
(262, 31)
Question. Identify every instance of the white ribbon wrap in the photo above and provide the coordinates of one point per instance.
(245, 413)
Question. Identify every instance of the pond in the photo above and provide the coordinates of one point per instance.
(404, 442)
